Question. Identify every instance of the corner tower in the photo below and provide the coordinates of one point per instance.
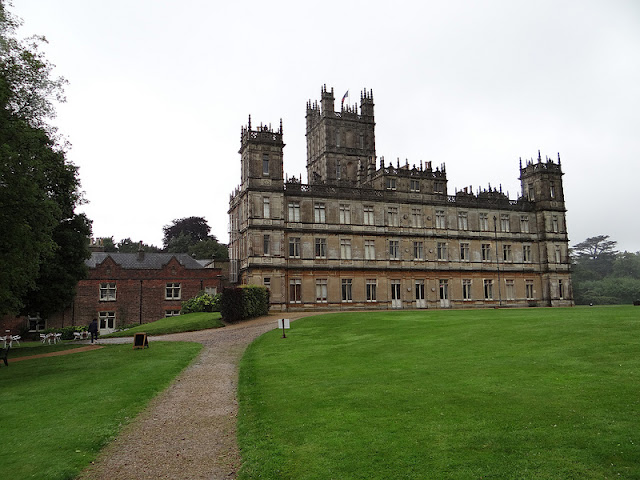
(339, 143)
(261, 156)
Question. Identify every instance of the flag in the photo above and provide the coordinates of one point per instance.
(343, 98)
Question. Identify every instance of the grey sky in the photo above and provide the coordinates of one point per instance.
(160, 89)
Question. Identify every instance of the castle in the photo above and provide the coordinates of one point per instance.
(366, 235)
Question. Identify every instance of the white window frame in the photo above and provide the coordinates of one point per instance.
(321, 290)
(266, 207)
(441, 251)
(173, 291)
(347, 290)
(369, 249)
(392, 216)
(416, 217)
(319, 213)
(418, 250)
(394, 249)
(345, 213)
(371, 290)
(294, 247)
(295, 290)
(487, 283)
(369, 218)
(463, 221)
(466, 289)
(294, 211)
(441, 219)
(321, 247)
(345, 248)
(464, 252)
(108, 292)
(483, 219)
(510, 289)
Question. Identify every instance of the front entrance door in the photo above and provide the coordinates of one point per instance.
(107, 322)
(444, 293)
(396, 301)
(420, 300)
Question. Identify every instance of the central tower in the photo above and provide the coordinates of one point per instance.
(338, 143)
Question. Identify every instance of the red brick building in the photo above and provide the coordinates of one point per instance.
(127, 288)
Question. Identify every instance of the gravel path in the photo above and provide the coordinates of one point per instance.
(188, 431)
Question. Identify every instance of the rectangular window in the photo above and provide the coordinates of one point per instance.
(211, 291)
(265, 164)
(530, 193)
(321, 248)
(36, 323)
(438, 187)
(466, 289)
(394, 250)
(294, 247)
(368, 215)
(294, 211)
(321, 290)
(266, 245)
(266, 207)
(107, 292)
(505, 225)
(416, 217)
(558, 253)
(345, 248)
(338, 170)
(391, 183)
(372, 287)
(171, 313)
(464, 252)
(415, 185)
(484, 222)
(560, 289)
(295, 290)
(526, 253)
(392, 216)
(486, 252)
(369, 250)
(555, 226)
(506, 253)
(172, 291)
(528, 289)
(552, 189)
(463, 221)
(524, 223)
(510, 289)
(418, 251)
(267, 282)
(441, 248)
(345, 214)
(319, 213)
(488, 289)
(441, 219)
(107, 320)
(346, 290)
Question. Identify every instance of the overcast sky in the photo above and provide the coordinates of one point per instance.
(159, 90)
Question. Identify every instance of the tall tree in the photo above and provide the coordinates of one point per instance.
(39, 188)
(196, 228)
(594, 257)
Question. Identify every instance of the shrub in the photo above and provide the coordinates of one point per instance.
(203, 302)
(67, 332)
(244, 302)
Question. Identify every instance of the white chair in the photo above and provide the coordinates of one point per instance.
(16, 338)
(43, 337)
(4, 341)
(77, 336)
(58, 337)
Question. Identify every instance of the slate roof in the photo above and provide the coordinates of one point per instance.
(151, 261)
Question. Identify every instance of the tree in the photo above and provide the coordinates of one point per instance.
(594, 257)
(196, 228)
(108, 244)
(209, 248)
(126, 245)
(39, 188)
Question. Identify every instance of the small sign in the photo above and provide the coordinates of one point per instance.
(283, 323)
(140, 340)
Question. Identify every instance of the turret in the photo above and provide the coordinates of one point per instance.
(261, 155)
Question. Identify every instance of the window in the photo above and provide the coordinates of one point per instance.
(294, 211)
(552, 189)
(392, 216)
(560, 289)
(442, 250)
(345, 214)
(295, 290)
(530, 193)
(394, 250)
(524, 223)
(345, 248)
(107, 292)
(338, 170)
(526, 253)
(369, 250)
(266, 245)
(415, 185)
(505, 226)
(321, 290)
(211, 290)
(266, 207)
(265, 164)
(506, 253)
(464, 252)
(510, 288)
(391, 183)
(484, 222)
(294, 247)
(554, 224)
(486, 252)
(368, 215)
(466, 289)
(171, 313)
(488, 289)
(172, 291)
(346, 290)
(441, 220)
(528, 289)
(438, 187)
(107, 320)
(267, 282)
(416, 217)
(418, 251)
(371, 287)
(319, 215)
(558, 254)
(36, 323)
(463, 222)
(321, 247)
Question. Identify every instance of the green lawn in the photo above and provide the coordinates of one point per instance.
(58, 412)
(26, 349)
(181, 323)
(508, 394)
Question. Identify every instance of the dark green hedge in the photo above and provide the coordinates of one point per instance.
(247, 301)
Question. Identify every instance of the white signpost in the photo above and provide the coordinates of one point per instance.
(283, 323)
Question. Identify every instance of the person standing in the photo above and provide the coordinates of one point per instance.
(93, 330)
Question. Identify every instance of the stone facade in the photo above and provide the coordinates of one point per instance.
(366, 234)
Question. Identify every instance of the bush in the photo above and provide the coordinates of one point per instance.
(67, 332)
(203, 302)
(244, 302)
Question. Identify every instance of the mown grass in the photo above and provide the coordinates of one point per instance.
(509, 394)
(58, 412)
(181, 323)
(26, 349)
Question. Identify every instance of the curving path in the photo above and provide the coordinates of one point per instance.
(188, 431)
